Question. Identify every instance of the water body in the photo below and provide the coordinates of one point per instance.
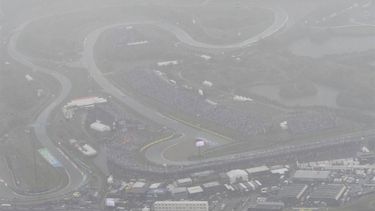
(333, 46)
(325, 96)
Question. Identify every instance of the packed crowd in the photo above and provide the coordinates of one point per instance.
(311, 122)
(122, 150)
(191, 103)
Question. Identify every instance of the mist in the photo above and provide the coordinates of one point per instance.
(201, 105)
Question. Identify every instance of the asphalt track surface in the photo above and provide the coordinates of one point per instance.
(280, 20)
(76, 176)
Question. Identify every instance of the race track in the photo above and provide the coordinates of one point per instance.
(153, 153)
(77, 175)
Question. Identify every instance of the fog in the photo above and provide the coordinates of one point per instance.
(172, 105)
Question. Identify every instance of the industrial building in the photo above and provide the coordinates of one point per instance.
(179, 192)
(292, 194)
(258, 171)
(366, 157)
(204, 176)
(184, 182)
(213, 187)
(311, 176)
(180, 206)
(138, 189)
(195, 191)
(279, 170)
(267, 206)
(330, 194)
(155, 186)
(160, 194)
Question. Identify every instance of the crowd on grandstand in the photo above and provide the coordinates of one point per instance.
(190, 103)
(311, 122)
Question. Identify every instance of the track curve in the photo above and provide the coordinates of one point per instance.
(77, 177)
(281, 18)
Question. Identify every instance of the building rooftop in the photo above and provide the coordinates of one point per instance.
(178, 190)
(294, 191)
(267, 206)
(279, 169)
(311, 175)
(139, 185)
(194, 189)
(236, 173)
(211, 184)
(155, 185)
(259, 169)
(184, 180)
(328, 191)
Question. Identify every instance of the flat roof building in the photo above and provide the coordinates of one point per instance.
(180, 206)
(311, 176)
(292, 194)
(155, 186)
(267, 206)
(213, 187)
(255, 171)
(195, 190)
(204, 176)
(138, 188)
(179, 192)
(331, 194)
(184, 182)
(366, 157)
(279, 169)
